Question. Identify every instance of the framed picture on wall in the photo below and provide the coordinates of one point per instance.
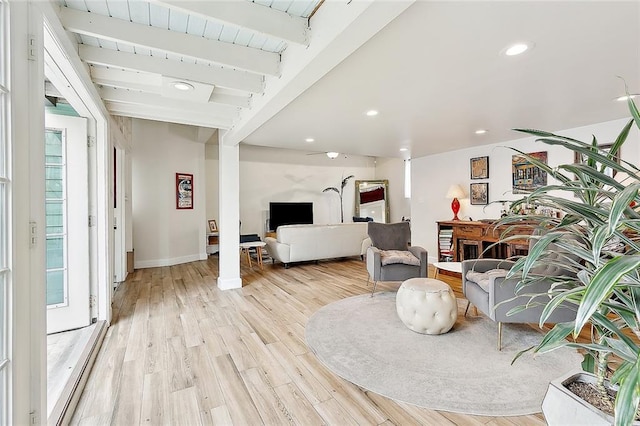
(526, 176)
(213, 226)
(479, 193)
(580, 158)
(184, 191)
(480, 168)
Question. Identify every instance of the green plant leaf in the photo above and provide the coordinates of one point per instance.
(555, 338)
(601, 286)
(589, 363)
(628, 396)
(331, 189)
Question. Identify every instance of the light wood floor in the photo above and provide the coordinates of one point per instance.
(182, 352)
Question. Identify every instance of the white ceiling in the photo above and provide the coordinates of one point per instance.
(272, 77)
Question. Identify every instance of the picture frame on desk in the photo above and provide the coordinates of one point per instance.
(479, 167)
(479, 193)
(213, 226)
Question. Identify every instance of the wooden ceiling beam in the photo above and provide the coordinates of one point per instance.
(251, 16)
(140, 98)
(152, 83)
(181, 44)
(220, 77)
(150, 112)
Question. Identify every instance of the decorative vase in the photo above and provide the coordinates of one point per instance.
(562, 407)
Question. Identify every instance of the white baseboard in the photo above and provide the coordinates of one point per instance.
(154, 263)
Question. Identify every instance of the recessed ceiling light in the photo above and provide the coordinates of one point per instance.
(517, 48)
(481, 131)
(181, 85)
(404, 149)
(372, 113)
(627, 97)
(309, 140)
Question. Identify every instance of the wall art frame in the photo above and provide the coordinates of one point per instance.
(184, 191)
(213, 226)
(479, 193)
(479, 167)
(579, 158)
(527, 177)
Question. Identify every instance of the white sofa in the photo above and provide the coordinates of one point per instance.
(299, 243)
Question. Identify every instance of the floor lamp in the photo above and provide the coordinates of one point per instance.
(455, 192)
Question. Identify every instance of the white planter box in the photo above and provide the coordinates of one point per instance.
(562, 407)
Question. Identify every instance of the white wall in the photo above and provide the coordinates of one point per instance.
(432, 176)
(393, 170)
(268, 174)
(163, 235)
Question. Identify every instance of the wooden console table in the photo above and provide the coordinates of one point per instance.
(460, 240)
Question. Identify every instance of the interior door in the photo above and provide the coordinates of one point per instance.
(67, 227)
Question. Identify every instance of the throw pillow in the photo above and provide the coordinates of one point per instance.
(390, 257)
(483, 278)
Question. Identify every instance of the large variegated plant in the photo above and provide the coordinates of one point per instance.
(599, 232)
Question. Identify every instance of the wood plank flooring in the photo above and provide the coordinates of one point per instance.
(182, 352)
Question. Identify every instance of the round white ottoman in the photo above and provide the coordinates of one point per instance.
(426, 305)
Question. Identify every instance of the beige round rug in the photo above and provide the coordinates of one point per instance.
(362, 340)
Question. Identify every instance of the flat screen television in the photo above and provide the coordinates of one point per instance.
(290, 213)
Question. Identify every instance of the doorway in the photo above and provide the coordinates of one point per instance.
(67, 223)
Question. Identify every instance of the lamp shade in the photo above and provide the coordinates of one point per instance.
(455, 191)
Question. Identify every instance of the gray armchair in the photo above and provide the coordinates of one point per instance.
(387, 238)
(485, 286)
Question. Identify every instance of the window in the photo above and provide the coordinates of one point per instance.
(57, 291)
(5, 277)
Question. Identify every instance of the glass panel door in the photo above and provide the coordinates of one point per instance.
(67, 222)
(57, 289)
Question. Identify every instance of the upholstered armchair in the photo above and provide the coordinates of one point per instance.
(485, 285)
(390, 258)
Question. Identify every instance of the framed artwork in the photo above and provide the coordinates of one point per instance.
(479, 193)
(580, 158)
(213, 226)
(480, 168)
(525, 176)
(184, 191)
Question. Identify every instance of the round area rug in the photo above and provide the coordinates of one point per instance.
(362, 340)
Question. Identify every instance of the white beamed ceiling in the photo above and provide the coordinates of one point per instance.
(225, 50)
(274, 73)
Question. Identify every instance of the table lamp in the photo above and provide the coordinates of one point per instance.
(455, 192)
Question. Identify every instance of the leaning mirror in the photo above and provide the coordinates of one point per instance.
(372, 200)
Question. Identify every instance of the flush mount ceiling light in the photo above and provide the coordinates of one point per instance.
(481, 131)
(181, 85)
(332, 154)
(404, 149)
(627, 97)
(372, 113)
(309, 140)
(517, 48)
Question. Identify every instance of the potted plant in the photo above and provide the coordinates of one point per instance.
(596, 200)
(339, 192)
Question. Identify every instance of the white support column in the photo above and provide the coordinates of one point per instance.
(229, 194)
